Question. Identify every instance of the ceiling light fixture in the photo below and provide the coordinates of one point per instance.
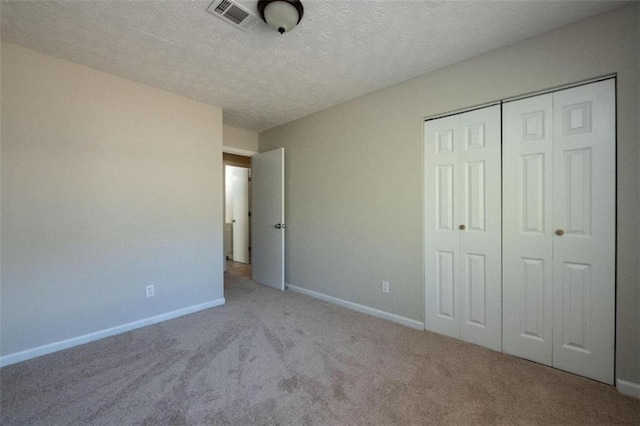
(281, 15)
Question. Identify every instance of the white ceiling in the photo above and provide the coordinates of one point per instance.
(340, 50)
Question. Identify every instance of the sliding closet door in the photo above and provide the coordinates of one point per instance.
(462, 227)
(584, 223)
(559, 229)
(527, 167)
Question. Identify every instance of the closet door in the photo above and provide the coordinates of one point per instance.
(559, 229)
(480, 228)
(442, 242)
(527, 167)
(462, 227)
(584, 223)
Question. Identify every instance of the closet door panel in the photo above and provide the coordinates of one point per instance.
(527, 163)
(442, 310)
(584, 218)
(480, 228)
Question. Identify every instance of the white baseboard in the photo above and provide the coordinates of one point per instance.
(360, 308)
(628, 388)
(86, 338)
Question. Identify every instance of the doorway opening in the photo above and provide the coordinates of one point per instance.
(237, 213)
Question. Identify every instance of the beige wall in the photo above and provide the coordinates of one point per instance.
(352, 224)
(240, 138)
(107, 186)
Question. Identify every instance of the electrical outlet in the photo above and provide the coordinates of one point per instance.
(150, 291)
(385, 286)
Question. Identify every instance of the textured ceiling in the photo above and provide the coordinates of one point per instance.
(340, 50)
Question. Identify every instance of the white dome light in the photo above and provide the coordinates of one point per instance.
(281, 15)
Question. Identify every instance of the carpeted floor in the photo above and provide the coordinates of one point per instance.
(270, 357)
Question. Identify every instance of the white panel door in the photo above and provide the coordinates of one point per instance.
(527, 168)
(559, 229)
(584, 220)
(268, 218)
(462, 227)
(442, 242)
(479, 196)
(240, 185)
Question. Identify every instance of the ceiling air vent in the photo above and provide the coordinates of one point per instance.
(232, 13)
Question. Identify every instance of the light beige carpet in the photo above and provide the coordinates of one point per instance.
(270, 357)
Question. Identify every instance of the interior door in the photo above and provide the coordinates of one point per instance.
(584, 230)
(527, 167)
(268, 225)
(559, 229)
(462, 227)
(480, 228)
(240, 221)
(442, 242)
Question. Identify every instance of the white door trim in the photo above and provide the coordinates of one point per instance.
(238, 151)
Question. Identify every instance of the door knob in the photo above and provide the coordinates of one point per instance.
(462, 227)
(278, 226)
(559, 232)
(281, 226)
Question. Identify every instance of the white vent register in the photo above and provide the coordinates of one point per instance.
(233, 13)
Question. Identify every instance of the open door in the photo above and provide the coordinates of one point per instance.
(268, 226)
(240, 185)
